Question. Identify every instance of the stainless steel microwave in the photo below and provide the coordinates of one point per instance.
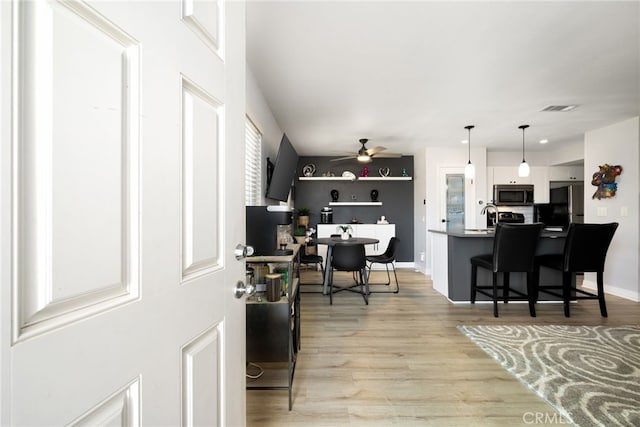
(513, 195)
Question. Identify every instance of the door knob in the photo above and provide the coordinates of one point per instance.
(241, 251)
(242, 289)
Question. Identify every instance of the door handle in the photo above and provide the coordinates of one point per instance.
(241, 251)
(242, 289)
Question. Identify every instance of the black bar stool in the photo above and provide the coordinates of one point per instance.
(585, 250)
(514, 250)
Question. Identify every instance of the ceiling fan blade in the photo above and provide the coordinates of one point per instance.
(374, 150)
(343, 158)
(388, 155)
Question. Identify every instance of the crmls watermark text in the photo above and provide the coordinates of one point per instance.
(543, 418)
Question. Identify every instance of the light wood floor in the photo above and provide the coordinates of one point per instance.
(401, 361)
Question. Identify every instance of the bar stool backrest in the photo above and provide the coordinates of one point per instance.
(586, 246)
(514, 246)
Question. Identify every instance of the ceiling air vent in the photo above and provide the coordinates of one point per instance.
(561, 108)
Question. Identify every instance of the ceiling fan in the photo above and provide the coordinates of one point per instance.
(365, 155)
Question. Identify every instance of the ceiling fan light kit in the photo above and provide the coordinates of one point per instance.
(469, 169)
(366, 155)
(523, 169)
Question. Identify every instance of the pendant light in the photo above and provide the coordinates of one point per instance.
(523, 170)
(469, 169)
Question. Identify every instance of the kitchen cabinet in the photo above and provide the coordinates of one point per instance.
(540, 179)
(273, 328)
(508, 175)
(382, 232)
(566, 173)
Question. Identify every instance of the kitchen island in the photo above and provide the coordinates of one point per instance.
(452, 249)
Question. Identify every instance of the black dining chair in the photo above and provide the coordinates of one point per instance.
(310, 259)
(350, 258)
(387, 258)
(514, 250)
(585, 250)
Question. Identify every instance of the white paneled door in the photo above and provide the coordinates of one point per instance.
(119, 212)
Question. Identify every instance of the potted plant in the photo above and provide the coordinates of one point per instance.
(303, 217)
(300, 234)
(345, 231)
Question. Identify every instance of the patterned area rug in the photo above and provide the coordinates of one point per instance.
(590, 375)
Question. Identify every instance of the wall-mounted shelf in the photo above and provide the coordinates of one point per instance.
(326, 178)
(360, 178)
(384, 178)
(355, 203)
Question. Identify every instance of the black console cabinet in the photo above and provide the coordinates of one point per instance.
(273, 328)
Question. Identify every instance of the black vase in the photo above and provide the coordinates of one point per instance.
(374, 195)
(334, 195)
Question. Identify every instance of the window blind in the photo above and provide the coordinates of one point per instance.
(253, 164)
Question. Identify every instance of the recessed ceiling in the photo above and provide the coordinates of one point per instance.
(413, 74)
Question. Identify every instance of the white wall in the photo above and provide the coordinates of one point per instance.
(567, 154)
(514, 158)
(435, 159)
(259, 112)
(617, 145)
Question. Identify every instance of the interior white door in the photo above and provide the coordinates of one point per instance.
(119, 214)
(456, 197)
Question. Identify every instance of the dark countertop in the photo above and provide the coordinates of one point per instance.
(485, 233)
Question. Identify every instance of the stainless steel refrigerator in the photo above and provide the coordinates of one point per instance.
(566, 206)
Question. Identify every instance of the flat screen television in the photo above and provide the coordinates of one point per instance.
(284, 170)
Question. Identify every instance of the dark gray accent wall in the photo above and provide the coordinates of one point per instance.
(396, 196)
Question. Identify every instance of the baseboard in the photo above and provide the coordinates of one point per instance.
(377, 266)
(613, 290)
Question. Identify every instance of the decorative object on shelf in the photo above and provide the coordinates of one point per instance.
(374, 195)
(345, 231)
(523, 170)
(328, 174)
(334, 195)
(469, 169)
(404, 172)
(349, 174)
(309, 169)
(310, 244)
(303, 217)
(382, 220)
(326, 215)
(605, 180)
(365, 171)
(384, 172)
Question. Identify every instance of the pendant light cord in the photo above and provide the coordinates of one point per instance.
(523, 127)
(468, 128)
